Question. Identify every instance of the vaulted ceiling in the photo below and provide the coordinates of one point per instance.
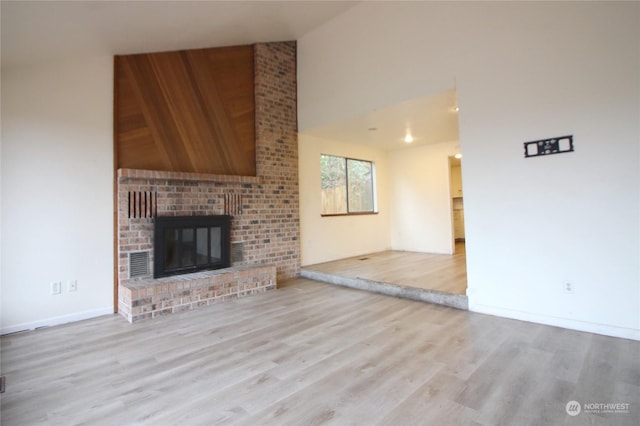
(33, 31)
(37, 31)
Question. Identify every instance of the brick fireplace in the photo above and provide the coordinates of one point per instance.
(263, 208)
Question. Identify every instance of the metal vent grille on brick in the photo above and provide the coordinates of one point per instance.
(237, 252)
(143, 204)
(138, 264)
(232, 204)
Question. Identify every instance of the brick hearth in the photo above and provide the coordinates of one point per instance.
(150, 298)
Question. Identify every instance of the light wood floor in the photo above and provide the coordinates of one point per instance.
(441, 272)
(311, 353)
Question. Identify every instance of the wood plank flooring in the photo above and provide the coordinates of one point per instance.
(310, 353)
(441, 272)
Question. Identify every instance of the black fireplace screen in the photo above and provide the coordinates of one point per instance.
(185, 244)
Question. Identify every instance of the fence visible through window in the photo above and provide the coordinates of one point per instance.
(347, 185)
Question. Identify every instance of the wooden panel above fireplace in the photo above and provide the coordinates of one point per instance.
(186, 111)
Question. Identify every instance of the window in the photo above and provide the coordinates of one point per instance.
(347, 185)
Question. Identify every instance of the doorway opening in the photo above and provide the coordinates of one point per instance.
(456, 192)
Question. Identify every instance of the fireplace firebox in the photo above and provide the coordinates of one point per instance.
(186, 244)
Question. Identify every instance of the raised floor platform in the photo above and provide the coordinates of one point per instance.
(149, 298)
(458, 301)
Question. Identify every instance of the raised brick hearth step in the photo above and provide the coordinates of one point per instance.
(150, 298)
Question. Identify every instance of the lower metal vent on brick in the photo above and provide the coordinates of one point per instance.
(138, 264)
(237, 252)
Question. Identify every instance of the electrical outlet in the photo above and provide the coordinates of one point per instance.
(568, 287)
(56, 287)
(73, 285)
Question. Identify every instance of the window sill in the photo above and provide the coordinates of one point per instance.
(348, 214)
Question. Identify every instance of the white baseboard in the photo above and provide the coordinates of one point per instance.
(48, 322)
(607, 330)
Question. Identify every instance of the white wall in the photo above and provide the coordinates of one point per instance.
(420, 201)
(57, 191)
(329, 238)
(524, 71)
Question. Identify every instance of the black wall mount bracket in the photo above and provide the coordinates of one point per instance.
(557, 145)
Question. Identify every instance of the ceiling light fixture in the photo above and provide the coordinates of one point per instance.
(408, 138)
